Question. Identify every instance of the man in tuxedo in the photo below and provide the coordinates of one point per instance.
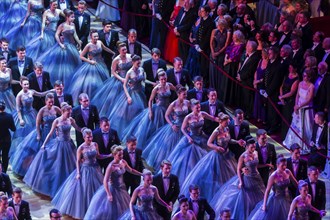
(5, 51)
(297, 166)
(20, 66)
(266, 154)
(86, 115)
(199, 205)
(306, 28)
(109, 38)
(151, 66)
(21, 207)
(198, 92)
(213, 106)
(225, 214)
(273, 38)
(55, 214)
(133, 157)
(82, 23)
(7, 125)
(5, 183)
(285, 37)
(319, 142)
(245, 75)
(316, 188)
(326, 47)
(132, 45)
(182, 26)
(39, 81)
(318, 37)
(105, 137)
(321, 101)
(65, 4)
(297, 55)
(168, 188)
(60, 96)
(239, 129)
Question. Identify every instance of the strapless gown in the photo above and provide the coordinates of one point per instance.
(6, 94)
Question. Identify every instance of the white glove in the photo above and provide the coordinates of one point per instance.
(158, 16)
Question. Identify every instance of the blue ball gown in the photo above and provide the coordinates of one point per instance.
(74, 196)
(106, 97)
(37, 46)
(163, 142)
(61, 63)
(29, 147)
(22, 35)
(101, 208)
(144, 210)
(122, 113)
(212, 171)
(29, 116)
(4, 6)
(88, 77)
(52, 165)
(278, 203)
(6, 94)
(142, 127)
(240, 201)
(185, 156)
(15, 13)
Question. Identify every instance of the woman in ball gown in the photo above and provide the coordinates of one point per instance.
(218, 166)
(4, 6)
(6, 212)
(242, 193)
(192, 147)
(112, 199)
(113, 87)
(277, 205)
(162, 143)
(8, 18)
(301, 205)
(25, 29)
(55, 161)
(62, 59)
(220, 39)
(80, 187)
(153, 117)
(30, 145)
(171, 48)
(130, 103)
(40, 43)
(93, 72)
(6, 94)
(184, 213)
(145, 195)
(302, 119)
(25, 115)
(104, 11)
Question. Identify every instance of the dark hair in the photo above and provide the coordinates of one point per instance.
(58, 83)
(224, 210)
(177, 59)
(294, 146)
(206, 8)
(2, 58)
(182, 199)
(4, 40)
(23, 78)
(280, 159)
(20, 48)
(238, 112)
(312, 168)
(179, 89)
(156, 51)
(49, 95)
(92, 32)
(165, 162)
(130, 139)
(321, 115)
(194, 102)
(68, 12)
(55, 211)
(198, 79)
(275, 50)
(261, 132)
(136, 58)
(193, 187)
(17, 190)
(106, 22)
(104, 119)
(210, 90)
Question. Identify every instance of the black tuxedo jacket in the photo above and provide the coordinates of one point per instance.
(137, 48)
(302, 169)
(273, 79)
(286, 40)
(271, 159)
(203, 206)
(204, 34)
(248, 69)
(13, 65)
(164, 8)
(83, 32)
(307, 36)
(319, 52)
(93, 120)
(114, 38)
(147, 66)
(10, 55)
(67, 99)
(7, 123)
(319, 200)
(184, 80)
(171, 195)
(298, 60)
(5, 184)
(209, 126)
(128, 177)
(98, 138)
(24, 210)
(187, 22)
(322, 98)
(244, 131)
(192, 94)
(69, 4)
(39, 102)
(323, 139)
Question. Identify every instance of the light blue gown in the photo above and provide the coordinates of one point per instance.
(10, 17)
(7, 95)
(4, 6)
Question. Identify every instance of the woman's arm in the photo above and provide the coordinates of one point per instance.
(28, 12)
(293, 90)
(211, 43)
(57, 110)
(41, 94)
(54, 126)
(114, 70)
(184, 127)
(57, 35)
(106, 48)
(84, 52)
(74, 124)
(269, 187)
(12, 81)
(210, 141)
(43, 24)
(79, 42)
(18, 108)
(39, 122)
(292, 178)
(151, 99)
(168, 112)
(131, 170)
(239, 170)
(160, 201)
(79, 153)
(105, 181)
(132, 202)
(292, 208)
(208, 116)
(98, 155)
(129, 99)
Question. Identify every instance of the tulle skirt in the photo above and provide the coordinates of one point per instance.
(9, 98)
(160, 145)
(51, 167)
(11, 16)
(4, 6)
(37, 46)
(75, 195)
(150, 214)
(101, 208)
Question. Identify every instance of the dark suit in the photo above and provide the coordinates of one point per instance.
(203, 206)
(271, 159)
(300, 175)
(326, 58)
(307, 36)
(133, 181)
(319, 199)
(244, 130)
(10, 54)
(209, 125)
(5, 184)
(39, 102)
(322, 98)
(150, 75)
(82, 32)
(171, 195)
(298, 60)
(112, 139)
(67, 99)
(319, 52)
(67, 5)
(315, 158)
(192, 94)
(286, 39)
(137, 48)
(111, 44)
(7, 123)
(24, 210)
(93, 120)
(13, 65)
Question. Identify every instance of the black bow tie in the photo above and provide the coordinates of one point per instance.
(105, 132)
(177, 73)
(131, 152)
(17, 204)
(85, 109)
(166, 177)
(313, 182)
(212, 104)
(195, 201)
(295, 161)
